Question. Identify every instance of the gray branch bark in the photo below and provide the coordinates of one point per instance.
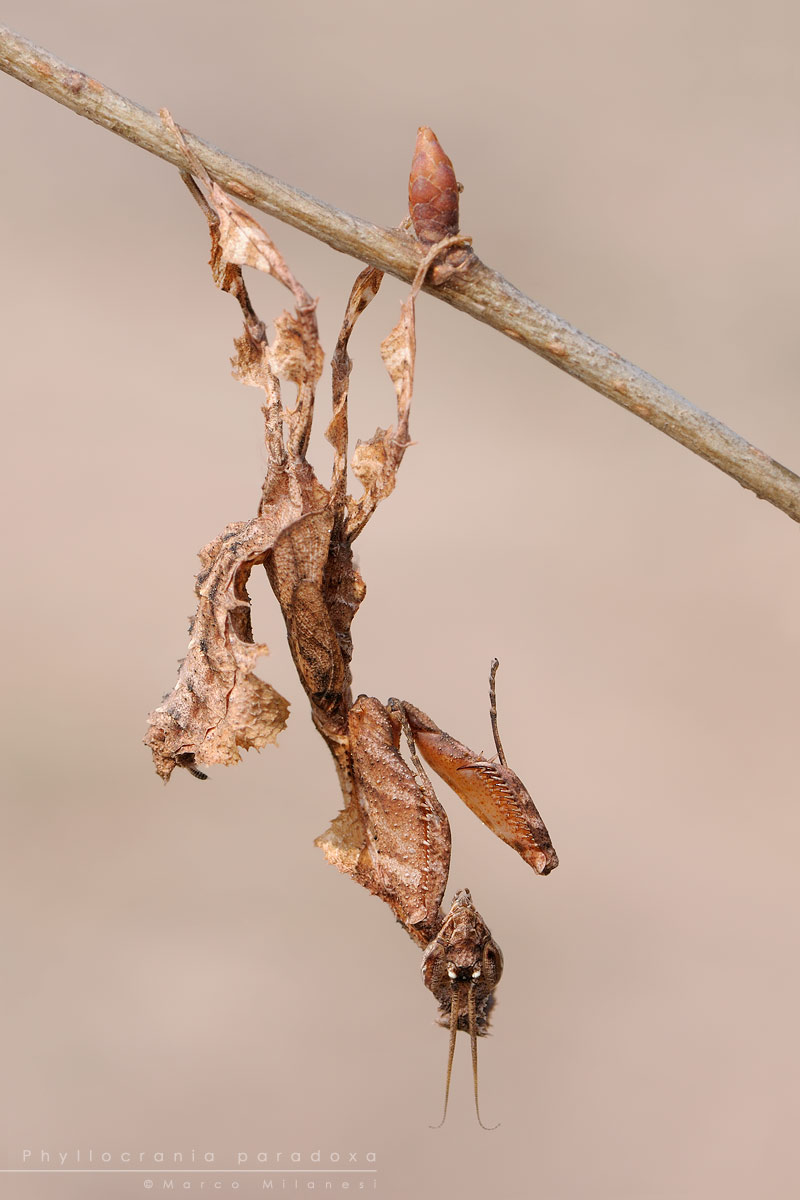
(477, 290)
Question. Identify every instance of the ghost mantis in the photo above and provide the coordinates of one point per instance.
(392, 835)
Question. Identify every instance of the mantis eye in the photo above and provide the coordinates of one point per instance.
(492, 964)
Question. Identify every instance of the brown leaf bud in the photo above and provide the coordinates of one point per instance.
(432, 190)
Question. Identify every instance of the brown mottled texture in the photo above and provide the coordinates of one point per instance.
(432, 190)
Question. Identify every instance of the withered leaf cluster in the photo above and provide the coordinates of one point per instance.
(392, 835)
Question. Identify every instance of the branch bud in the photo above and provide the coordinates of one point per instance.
(432, 190)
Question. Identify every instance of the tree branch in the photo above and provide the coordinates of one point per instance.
(476, 290)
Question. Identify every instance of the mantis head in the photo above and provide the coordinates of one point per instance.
(462, 966)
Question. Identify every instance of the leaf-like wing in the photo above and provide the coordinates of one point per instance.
(493, 791)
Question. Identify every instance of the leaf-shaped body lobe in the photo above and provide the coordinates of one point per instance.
(344, 844)
(494, 792)
(245, 243)
(296, 353)
(218, 705)
(408, 833)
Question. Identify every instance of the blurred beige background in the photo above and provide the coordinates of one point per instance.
(184, 972)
